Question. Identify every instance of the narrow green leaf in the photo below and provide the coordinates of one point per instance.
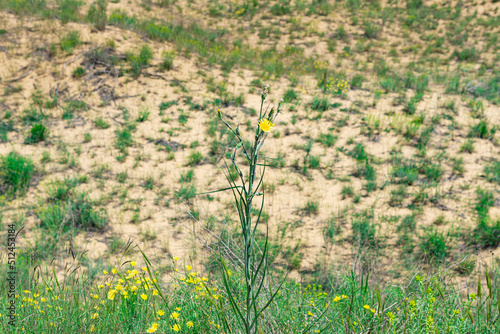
(479, 287)
(488, 283)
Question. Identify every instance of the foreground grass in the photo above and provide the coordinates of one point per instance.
(132, 298)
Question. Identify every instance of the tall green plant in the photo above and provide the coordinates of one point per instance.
(255, 259)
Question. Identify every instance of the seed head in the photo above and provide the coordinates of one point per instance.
(265, 91)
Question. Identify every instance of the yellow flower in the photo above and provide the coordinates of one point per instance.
(104, 272)
(176, 258)
(114, 271)
(366, 307)
(176, 327)
(144, 268)
(111, 294)
(174, 315)
(95, 316)
(265, 125)
(161, 312)
(92, 328)
(336, 299)
(153, 328)
(189, 324)
(178, 309)
(144, 296)
(133, 263)
(188, 267)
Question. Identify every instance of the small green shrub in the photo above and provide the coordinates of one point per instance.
(485, 199)
(332, 229)
(404, 172)
(364, 231)
(16, 172)
(458, 166)
(195, 158)
(434, 244)
(186, 193)
(357, 81)
(467, 146)
(347, 191)
(60, 191)
(124, 139)
(359, 153)
(371, 30)
(69, 10)
(97, 14)
(327, 139)
(470, 55)
(313, 161)
(100, 123)
(143, 115)
(32, 115)
(5, 128)
(85, 215)
(366, 170)
(87, 137)
(77, 212)
(341, 33)
(34, 7)
(487, 234)
(311, 208)
(398, 195)
(183, 118)
(38, 133)
(320, 104)
(280, 10)
(433, 172)
(70, 41)
(140, 60)
(187, 177)
(492, 172)
(482, 130)
(116, 244)
(168, 58)
(53, 217)
(290, 96)
(78, 72)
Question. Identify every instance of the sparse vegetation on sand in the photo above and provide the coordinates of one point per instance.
(122, 122)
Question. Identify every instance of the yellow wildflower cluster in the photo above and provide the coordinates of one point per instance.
(321, 65)
(47, 306)
(128, 285)
(240, 12)
(367, 307)
(337, 86)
